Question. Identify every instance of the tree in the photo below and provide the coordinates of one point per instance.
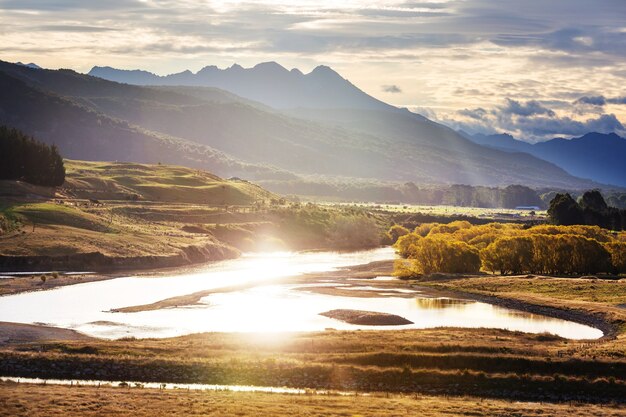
(593, 200)
(564, 210)
(405, 243)
(618, 256)
(438, 254)
(396, 231)
(24, 158)
(512, 255)
(519, 195)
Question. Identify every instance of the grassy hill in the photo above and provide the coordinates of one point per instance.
(163, 183)
(129, 215)
(94, 221)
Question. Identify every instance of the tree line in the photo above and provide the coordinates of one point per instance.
(459, 247)
(24, 158)
(591, 209)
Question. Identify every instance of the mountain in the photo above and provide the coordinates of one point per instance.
(597, 156)
(31, 65)
(82, 133)
(92, 118)
(268, 83)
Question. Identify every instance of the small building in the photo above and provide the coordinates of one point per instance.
(528, 208)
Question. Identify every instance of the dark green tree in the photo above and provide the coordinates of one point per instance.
(565, 211)
(593, 199)
(24, 158)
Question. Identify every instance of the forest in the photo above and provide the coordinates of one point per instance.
(24, 158)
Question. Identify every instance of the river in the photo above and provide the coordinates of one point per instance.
(266, 305)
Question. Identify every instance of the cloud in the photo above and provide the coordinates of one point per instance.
(391, 89)
(529, 108)
(478, 113)
(592, 100)
(462, 58)
(617, 100)
(534, 121)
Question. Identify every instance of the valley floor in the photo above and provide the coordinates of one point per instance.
(496, 366)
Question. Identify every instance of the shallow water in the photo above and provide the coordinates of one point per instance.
(159, 385)
(267, 306)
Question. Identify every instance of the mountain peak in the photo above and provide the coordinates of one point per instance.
(324, 70)
(270, 66)
(208, 69)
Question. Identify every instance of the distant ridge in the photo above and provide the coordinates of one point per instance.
(31, 65)
(268, 83)
(597, 156)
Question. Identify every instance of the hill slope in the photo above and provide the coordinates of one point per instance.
(597, 156)
(82, 133)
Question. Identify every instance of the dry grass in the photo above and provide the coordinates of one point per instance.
(40, 400)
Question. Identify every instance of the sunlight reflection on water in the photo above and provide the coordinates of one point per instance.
(266, 307)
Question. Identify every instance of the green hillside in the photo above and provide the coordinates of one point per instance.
(162, 183)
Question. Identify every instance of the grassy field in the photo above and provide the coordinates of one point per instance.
(453, 211)
(477, 362)
(41, 400)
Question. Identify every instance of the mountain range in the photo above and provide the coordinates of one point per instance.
(268, 83)
(320, 125)
(598, 156)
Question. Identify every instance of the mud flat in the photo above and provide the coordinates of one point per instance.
(371, 318)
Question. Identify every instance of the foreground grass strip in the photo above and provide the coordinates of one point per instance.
(42, 400)
(555, 387)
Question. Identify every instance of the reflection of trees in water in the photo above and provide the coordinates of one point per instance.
(433, 303)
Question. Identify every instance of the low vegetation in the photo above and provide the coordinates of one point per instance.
(479, 362)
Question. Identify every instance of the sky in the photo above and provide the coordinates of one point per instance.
(536, 69)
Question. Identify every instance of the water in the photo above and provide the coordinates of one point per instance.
(266, 306)
(159, 385)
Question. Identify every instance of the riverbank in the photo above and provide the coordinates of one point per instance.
(478, 362)
(15, 333)
(587, 300)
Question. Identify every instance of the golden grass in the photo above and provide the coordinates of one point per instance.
(41, 400)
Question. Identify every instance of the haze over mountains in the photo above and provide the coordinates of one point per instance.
(268, 83)
(276, 124)
(599, 156)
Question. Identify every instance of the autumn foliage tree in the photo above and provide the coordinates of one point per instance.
(511, 249)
